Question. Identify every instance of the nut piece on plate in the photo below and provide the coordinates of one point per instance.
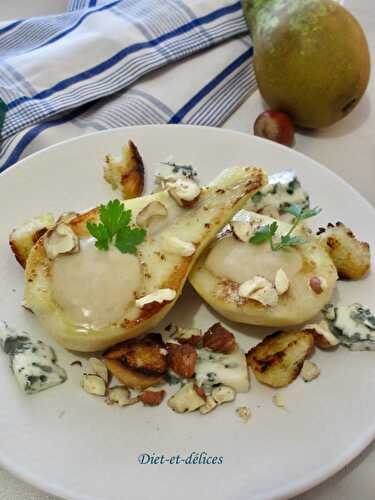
(120, 396)
(281, 282)
(187, 399)
(278, 359)
(223, 394)
(99, 368)
(323, 336)
(138, 363)
(93, 384)
(191, 336)
(309, 371)
(182, 359)
(259, 289)
(210, 405)
(318, 284)
(67, 217)
(266, 296)
(160, 296)
(219, 339)
(244, 413)
(23, 237)
(61, 240)
(278, 401)
(152, 398)
(250, 286)
(152, 211)
(185, 192)
(178, 247)
(350, 256)
(127, 173)
(241, 230)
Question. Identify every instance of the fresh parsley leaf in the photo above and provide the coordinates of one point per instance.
(300, 213)
(307, 213)
(100, 233)
(264, 233)
(267, 232)
(115, 223)
(113, 216)
(128, 238)
(294, 210)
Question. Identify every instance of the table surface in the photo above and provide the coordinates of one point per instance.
(336, 147)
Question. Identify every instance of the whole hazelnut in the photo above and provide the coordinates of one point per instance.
(318, 284)
(276, 126)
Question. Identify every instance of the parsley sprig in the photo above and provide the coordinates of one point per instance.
(268, 231)
(115, 225)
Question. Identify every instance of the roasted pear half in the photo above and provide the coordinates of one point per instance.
(89, 299)
(253, 284)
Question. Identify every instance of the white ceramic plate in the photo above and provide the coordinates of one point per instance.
(73, 445)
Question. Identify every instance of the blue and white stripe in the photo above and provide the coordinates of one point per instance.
(112, 77)
(81, 4)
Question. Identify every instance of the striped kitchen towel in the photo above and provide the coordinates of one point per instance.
(105, 64)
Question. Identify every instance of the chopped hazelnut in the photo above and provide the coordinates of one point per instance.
(318, 284)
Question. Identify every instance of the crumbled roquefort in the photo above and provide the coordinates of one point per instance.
(283, 189)
(353, 325)
(215, 368)
(33, 362)
(173, 379)
(169, 171)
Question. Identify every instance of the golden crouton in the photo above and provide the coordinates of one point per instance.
(350, 256)
(279, 358)
(126, 173)
(131, 378)
(23, 237)
(138, 363)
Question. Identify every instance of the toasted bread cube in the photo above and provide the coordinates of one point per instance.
(131, 378)
(138, 363)
(127, 173)
(23, 237)
(279, 358)
(350, 256)
(145, 354)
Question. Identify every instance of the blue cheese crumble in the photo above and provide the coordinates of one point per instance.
(353, 325)
(283, 189)
(168, 172)
(33, 362)
(214, 368)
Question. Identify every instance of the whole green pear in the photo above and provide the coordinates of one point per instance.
(311, 58)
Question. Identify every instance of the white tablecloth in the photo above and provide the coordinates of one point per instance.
(348, 149)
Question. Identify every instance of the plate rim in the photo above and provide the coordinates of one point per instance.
(298, 485)
(21, 163)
